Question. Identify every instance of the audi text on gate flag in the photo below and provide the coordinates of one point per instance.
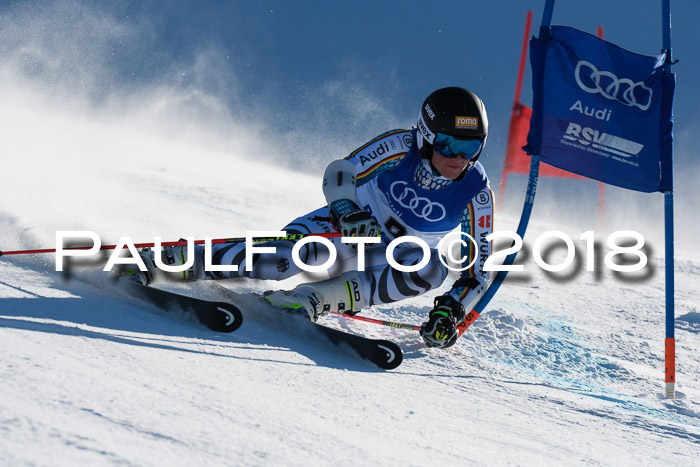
(602, 111)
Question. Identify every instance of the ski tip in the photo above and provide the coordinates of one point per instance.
(391, 353)
(227, 319)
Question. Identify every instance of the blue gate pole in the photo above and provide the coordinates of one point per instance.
(546, 20)
(527, 207)
(670, 342)
(522, 227)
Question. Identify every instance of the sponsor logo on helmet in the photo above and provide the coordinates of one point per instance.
(429, 111)
(425, 131)
(466, 122)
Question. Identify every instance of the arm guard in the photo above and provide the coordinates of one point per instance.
(339, 181)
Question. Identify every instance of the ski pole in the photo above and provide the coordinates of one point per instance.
(468, 321)
(461, 327)
(413, 327)
(218, 241)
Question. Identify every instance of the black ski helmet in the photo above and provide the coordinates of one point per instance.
(453, 111)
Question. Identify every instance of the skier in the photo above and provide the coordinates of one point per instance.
(423, 182)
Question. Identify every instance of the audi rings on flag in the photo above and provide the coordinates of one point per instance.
(623, 90)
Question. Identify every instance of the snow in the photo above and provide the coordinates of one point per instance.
(560, 368)
(91, 377)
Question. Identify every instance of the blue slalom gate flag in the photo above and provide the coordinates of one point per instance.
(601, 111)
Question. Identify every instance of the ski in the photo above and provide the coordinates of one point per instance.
(383, 353)
(217, 316)
(226, 317)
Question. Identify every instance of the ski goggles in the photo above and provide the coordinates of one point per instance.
(450, 147)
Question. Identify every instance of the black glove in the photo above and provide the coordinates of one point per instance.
(439, 331)
(351, 221)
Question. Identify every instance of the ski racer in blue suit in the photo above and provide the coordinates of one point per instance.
(424, 182)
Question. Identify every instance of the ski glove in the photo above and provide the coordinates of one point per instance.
(440, 331)
(351, 221)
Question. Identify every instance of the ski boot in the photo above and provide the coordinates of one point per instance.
(170, 256)
(342, 294)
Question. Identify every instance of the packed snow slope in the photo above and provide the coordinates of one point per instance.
(561, 368)
(109, 127)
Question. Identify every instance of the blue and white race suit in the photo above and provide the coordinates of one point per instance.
(406, 196)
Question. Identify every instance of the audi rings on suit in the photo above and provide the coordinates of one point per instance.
(420, 207)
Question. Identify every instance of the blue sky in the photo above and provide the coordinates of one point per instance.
(281, 51)
(330, 68)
